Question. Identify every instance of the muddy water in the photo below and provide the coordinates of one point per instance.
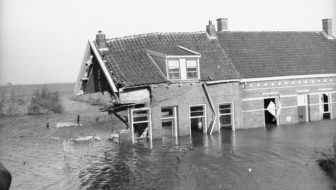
(279, 158)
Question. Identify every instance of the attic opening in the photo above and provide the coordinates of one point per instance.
(92, 78)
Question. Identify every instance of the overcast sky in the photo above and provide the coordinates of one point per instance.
(43, 41)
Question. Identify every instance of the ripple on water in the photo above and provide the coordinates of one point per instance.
(249, 159)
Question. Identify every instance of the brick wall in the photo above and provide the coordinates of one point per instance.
(314, 108)
(288, 113)
(248, 100)
(251, 117)
(253, 94)
(186, 94)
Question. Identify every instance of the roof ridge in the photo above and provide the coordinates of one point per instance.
(152, 33)
(276, 31)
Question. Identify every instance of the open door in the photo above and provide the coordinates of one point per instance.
(270, 112)
(325, 105)
(197, 118)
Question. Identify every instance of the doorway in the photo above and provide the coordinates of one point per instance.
(225, 116)
(325, 106)
(269, 106)
(197, 118)
(302, 102)
(141, 128)
(169, 122)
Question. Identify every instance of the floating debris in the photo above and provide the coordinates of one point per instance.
(87, 138)
(114, 137)
(67, 124)
(65, 145)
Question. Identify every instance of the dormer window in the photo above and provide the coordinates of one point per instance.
(174, 69)
(192, 70)
(177, 63)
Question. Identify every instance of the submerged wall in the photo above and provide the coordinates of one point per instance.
(254, 93)
(185, 95)
(247, 100)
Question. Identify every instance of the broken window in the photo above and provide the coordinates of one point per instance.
(140, 123)
(192, 69)
(174, 69)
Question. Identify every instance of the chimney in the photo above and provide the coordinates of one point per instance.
(222, 24)
(327, 26)
(101, 41)
(211, 30)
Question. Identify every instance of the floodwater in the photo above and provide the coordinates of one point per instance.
(279, 158)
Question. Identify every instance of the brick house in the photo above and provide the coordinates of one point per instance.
(175, 84)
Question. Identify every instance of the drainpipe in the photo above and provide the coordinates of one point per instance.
(214, 117)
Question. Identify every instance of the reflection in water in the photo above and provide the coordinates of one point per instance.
(281, 158)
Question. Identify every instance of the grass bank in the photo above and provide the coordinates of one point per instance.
(327, 160)
(13, 102)
(95, 99)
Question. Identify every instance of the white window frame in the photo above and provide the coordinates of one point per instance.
(329, 94)
(183, 68)
(179, 62)
(233, 128)
(149, 121)
(197, 68)
(205, 117)
(174, 117)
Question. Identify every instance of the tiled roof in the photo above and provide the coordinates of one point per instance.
(129, 60)
(174, 50)
(268, 54)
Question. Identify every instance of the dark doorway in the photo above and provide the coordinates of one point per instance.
(269, 105)
(197, 118)
(326, 109)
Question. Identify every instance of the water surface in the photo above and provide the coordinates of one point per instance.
(280, 158)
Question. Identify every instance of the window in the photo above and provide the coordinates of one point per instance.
(196, 111)
(174, 69)
(197, 118)
(225, 115)
(141, 122)
(192, 69)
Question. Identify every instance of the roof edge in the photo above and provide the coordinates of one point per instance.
(103, 66)
(287, 77)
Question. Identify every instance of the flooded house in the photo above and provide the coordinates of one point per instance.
(176, 84)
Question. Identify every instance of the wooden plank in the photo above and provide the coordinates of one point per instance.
(136, 96)
(103, 67)
(209, 131)
(81, 70)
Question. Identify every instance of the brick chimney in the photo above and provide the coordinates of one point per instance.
(327, 26)
(101, 41)
(222, 24)
(211, 30)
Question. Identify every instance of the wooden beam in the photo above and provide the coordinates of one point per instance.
(212, 108)
(103, 67)
(82, 69)
(119, 117)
